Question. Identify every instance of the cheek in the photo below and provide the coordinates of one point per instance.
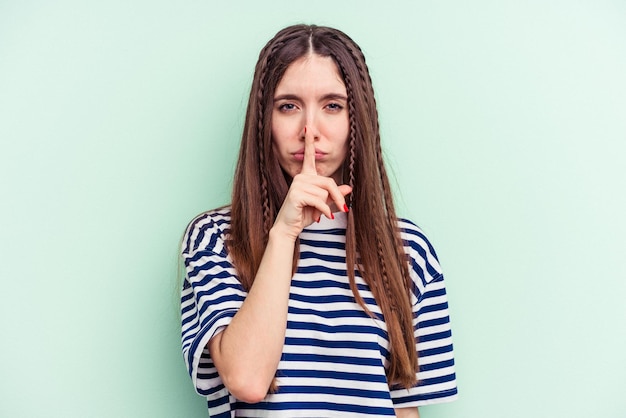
(283, 131)
(344, 128)
(344, 133)
(280, 153)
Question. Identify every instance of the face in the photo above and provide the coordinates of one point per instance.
(312, 94)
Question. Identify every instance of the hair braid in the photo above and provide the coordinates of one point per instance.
(352, 141)
(266, 203)
(262, 164)
(366, 80)
(384, 275)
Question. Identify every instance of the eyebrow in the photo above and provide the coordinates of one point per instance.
(329, 96)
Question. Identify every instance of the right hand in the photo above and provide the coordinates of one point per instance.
(309, 195)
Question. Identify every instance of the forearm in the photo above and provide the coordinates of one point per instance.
(407, 413)
(247, 352)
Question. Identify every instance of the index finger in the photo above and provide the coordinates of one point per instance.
(308, 162)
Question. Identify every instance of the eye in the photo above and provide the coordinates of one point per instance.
(287, 107)
(334, 107)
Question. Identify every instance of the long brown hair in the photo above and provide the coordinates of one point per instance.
(372, 232)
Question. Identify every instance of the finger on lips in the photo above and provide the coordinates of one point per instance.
(308, 168)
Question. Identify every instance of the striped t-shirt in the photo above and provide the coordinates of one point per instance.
(334, 355)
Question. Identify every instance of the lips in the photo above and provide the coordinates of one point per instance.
(299, 155)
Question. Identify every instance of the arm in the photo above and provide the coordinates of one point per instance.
(247, 352)
(407, 413)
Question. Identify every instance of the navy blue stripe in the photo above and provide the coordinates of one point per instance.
(328, 314)
(329, 258)
(434, 293)
(438, 307)
(433, 322)
(207, 376)
(219, 286)
(208, 265)
(331, 390)
(322, 406)
(432, 381)
(322, 270)
(328, 299)
(426, 396)
(435, 336)
(337, 329)
(435, 351)
(325, 283)
(436, 365)
(323, 244)
(333, 374)
(215, 403)
(314, 342)
(320, 358)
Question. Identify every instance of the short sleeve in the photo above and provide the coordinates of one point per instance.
(211, 296)
(436, 379)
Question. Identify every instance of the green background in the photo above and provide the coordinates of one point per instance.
(505, 125)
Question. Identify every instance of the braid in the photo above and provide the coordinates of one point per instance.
(366, 80)
(352, 144)
(384, 275)
(262, 164)
(260, 137)
(353, 128)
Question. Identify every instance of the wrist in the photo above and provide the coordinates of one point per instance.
(280, 234)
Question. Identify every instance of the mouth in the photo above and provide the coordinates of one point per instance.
(299, 155)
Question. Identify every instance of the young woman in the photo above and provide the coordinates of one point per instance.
(307, 297)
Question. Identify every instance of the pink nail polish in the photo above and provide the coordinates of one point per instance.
(305, 130)
(318, 219)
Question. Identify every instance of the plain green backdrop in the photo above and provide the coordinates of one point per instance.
(504, 123)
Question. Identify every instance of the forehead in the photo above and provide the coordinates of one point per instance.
(312, 73)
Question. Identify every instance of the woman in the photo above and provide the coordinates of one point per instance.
(307, 296)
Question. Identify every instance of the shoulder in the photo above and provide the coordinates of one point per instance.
(414, 236)
(420, 250)
(207, 232)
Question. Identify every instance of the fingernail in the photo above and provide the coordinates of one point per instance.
(332, 216)
(305, 130)
(318, 219)
(345, 208)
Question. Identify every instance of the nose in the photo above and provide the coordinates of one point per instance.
(310, 126)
